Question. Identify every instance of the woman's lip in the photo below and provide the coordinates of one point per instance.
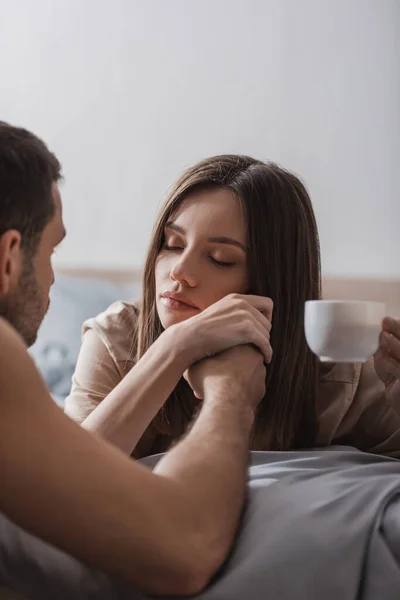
(173, 304)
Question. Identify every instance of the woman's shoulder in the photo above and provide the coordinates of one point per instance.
(118, 314)
(117, 329)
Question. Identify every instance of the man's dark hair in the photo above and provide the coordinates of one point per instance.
(27, 171)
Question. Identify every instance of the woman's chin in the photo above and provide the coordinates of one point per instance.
(167, 320)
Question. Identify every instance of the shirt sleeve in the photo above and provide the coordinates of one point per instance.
(96, 375)
(105, 357)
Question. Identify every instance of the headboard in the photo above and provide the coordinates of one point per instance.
(334, 288)
(378, 290)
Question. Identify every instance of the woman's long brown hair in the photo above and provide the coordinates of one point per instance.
(283, 264)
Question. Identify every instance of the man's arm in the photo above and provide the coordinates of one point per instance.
(167, 532)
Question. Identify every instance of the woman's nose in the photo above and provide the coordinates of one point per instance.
(183, 272)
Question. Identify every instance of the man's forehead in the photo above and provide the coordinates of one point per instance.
(57, 198)
(58, 219)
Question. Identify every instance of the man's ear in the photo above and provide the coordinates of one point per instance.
(10, 260)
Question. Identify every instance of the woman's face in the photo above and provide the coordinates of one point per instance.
(204, 256)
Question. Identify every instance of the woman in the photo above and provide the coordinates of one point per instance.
(231, 225)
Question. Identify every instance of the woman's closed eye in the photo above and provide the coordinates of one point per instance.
(221, 263)
(177, 246)
(172, 247)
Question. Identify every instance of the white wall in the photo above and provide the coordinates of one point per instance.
(129, 92)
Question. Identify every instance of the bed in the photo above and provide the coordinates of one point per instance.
(317, 524)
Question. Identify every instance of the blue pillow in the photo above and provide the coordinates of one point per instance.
(72, 301)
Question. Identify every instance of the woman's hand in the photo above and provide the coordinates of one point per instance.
(387, 359)
(233, 321)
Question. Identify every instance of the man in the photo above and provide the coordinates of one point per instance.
(165, 532)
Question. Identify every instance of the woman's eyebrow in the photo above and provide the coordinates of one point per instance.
(227, 240)
(175, 227)
(216, 240)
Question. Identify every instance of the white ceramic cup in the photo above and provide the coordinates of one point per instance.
(343, 331)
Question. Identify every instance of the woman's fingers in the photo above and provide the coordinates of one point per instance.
(258, 316)
(243, 305)
(257, 335)
(390, 345)
(257, 325)
(263, 305)
(235, 320)
(388, 354)
(391, 325)
(265, 347)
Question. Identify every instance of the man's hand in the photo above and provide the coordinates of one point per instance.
(239, 372)
(387, 359)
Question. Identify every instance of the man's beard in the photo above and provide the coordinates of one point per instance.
(25, 307)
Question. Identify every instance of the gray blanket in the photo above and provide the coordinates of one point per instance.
(318, 524)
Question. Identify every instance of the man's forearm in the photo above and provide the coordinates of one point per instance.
(164, 533)
(211, 466)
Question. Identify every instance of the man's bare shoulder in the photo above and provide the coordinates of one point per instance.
(12, 347)
(8, 333)
(19, 377)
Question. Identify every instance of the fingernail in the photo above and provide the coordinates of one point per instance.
(386, 323)
(386, 338)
